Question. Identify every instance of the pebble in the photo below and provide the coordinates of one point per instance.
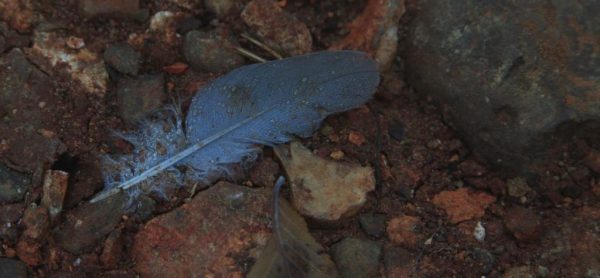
(55, 189)
(357, 257)
(517, 187)
(83, 65)
(263, 172)
(479, 232)
(12, 268)
(211, 51)
(123, 58)
(375, 31)
(207, 236)
(523, 224)
(13, 185)
(112, 250)
(36, 224)
(405, 231)
(137, 97)
(356, 138)
(223, 8)
(325, 190)
(176, 68)
(483, 261)
(519, 272)
(373, 224)
(111, 8)
(463, 204)
(277, 28)
(337, 155)
(87, 224)
(398, 261)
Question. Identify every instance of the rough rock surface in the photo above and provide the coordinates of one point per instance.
(514, 79)
(277, 28)
(325, 190)
(204, 237)
(87, 224)
(463, 204)
(13, 185)
(357, 257)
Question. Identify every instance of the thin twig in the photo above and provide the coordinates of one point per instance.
(263, 46)
(250, 55)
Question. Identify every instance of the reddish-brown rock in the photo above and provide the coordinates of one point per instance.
(277, 28)
(523, 224)
(463, 204)
(205, 237)
(403, 231)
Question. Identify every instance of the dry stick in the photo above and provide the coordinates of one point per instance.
(263, 46)
(250, 55)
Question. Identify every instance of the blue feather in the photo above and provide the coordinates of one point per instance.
(228, 120)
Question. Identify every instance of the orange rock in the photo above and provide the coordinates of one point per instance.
(403, 231)
(356, 138)
(463, 204)
(176, 68)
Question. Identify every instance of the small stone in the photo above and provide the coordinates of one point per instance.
(82, 64)
(375, 31)
(12, 268)
(113, 249)
(483, 261)
(13, 185)
(322, 189)
(223, 8)
(373, 224)
(137, 97)
(111, 8)
(519, 272)
(228, 220)
(398, 261)
(277, 28)
(11, 212)
(29, 252)
(123, 58)
(523, 224)
(405, 231)
(517, 187)
(36, 223)
(336, 155)
(75, 42)
(463, 204)
(177, 68)
(357, 257)
(144, 209)
(55, 189)
(86, 225)
(592, 160)
(211, 51)
(472, 168)
(356, 138)
(263, 173)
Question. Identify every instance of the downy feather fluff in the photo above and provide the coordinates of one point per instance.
(229, 119)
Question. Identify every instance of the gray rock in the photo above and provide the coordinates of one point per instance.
(357, 257)
(211, 51)
(483, 261)
(89, 223)
(223, 8)
(12, 268)
(13, 185)
(110, 8)
(512, 80)
(123, 58)
(373, 224)
(137, 97)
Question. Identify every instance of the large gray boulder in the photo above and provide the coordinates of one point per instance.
(510, 76)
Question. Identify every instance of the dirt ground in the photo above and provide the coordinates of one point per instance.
(433, 191)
